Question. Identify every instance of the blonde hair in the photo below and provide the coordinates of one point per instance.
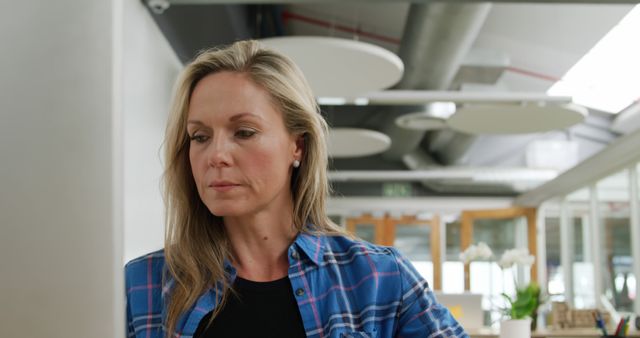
(196, 245)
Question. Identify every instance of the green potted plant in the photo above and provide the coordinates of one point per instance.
(525, 303)
(522, 308)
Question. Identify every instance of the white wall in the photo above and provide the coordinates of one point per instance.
(84, 94)
(60, 262)
(150, 68)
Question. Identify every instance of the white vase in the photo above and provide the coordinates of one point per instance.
(516, 328)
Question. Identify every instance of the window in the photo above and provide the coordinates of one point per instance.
(613, 206)
(453, 268)
(414, 242)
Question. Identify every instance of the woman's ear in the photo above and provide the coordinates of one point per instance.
(299, 149)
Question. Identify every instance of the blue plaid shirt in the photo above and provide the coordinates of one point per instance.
(344, 288)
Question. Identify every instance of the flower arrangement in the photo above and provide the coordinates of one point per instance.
(527, 299)
(475, 252)
(516, 257)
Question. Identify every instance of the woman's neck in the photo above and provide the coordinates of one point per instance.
(259, 245)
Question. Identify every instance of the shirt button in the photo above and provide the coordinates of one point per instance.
(295, 255)
(300, 292)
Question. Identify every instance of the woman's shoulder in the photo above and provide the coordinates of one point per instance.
(143, 282)
(141, 270)
(349, 248)
(345, 242)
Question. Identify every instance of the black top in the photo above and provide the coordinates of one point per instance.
(258, 309)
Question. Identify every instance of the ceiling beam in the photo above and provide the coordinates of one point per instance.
(619, 155)
(471, 174)
(256, 2)
(443, 205)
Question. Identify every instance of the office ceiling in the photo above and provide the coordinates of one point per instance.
(447, 46)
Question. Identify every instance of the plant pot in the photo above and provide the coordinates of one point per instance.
(516, 328)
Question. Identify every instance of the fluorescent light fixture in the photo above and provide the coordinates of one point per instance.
(421, 97)
(361, 101)
(523, 175)
(332, 101)
(606, 78)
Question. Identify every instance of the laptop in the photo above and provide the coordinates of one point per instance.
(466, 308)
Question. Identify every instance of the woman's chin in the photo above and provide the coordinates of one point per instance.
(226, 211)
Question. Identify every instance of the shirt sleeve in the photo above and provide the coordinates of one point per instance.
(420, 313)
(130, 330)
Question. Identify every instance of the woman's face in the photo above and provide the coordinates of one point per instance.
(240, 151)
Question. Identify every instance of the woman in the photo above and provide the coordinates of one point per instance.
(249, 250)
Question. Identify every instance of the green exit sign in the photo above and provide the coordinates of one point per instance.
(396, 189)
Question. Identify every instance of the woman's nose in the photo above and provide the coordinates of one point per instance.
(219, 153)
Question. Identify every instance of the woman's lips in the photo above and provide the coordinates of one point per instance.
(223, 186)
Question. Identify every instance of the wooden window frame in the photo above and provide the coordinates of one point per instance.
(466, 234)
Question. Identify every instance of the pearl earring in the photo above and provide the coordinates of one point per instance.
(296, 163)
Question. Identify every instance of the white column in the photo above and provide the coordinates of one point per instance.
(443, 247)
(566, 250)
(521, 241)
(60, 201)
(635, 230)
(150, 69)
(596, 244)
(587, 254)
(541, 249)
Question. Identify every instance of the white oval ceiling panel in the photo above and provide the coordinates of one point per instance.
(515, 119)
(420, 121)
(353, 142)
(338, 67)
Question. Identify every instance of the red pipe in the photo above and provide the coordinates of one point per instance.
(532, 74)
(287, 15)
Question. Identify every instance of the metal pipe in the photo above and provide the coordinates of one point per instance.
(436, 38)
(473, 174)
(418, 97)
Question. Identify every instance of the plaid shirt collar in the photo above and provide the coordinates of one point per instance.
(311, 245)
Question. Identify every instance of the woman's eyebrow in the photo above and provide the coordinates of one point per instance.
(242, 115)
(198, 122)
(231, 119)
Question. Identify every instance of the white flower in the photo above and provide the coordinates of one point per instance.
(476, 252)
(516, 256)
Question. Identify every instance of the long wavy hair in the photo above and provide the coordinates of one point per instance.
(196, 245)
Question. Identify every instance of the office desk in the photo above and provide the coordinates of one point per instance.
(568, 333)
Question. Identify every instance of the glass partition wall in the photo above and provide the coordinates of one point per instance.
(634, 183)
(613, 197)
(591, 237)
(452, 268)
(576, 242)
(595, 231)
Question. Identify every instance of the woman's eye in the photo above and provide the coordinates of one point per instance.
(245, 133)
(199, 138)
